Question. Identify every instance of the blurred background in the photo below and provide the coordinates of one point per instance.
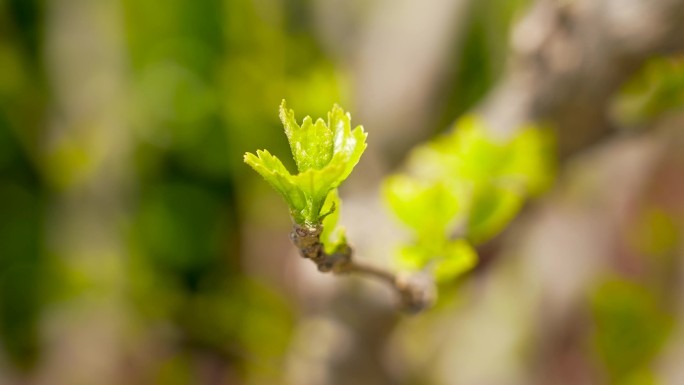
(137, 248)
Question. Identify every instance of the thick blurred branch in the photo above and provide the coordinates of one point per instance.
(569, 57)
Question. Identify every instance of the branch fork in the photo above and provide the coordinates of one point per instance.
(416, 292)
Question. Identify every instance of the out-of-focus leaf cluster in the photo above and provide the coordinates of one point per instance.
(631, 327)
(463, 188)
(657, 89)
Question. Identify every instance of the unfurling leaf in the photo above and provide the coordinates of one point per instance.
(325, 155)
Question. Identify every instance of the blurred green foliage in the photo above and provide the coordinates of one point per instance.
(482, 58)
(656, 235)
(23, 266)
(631, 328)
(656, 89)
(205, 76)
(201, 83)
(466, 185)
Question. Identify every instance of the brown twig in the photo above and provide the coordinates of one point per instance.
(416, 291)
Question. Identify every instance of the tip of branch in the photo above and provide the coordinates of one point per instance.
(417, 292)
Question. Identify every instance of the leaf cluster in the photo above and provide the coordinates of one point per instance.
(464, 188)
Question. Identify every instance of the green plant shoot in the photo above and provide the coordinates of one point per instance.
(325, 154)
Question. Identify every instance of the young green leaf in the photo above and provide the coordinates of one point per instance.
(275, 173)
(311, 143)
(325, 155)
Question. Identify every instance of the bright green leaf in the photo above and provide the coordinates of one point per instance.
(271, 169)
(316, 184)
(348, 145)
(311, 143)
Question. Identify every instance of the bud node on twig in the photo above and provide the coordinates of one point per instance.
(417, 292)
